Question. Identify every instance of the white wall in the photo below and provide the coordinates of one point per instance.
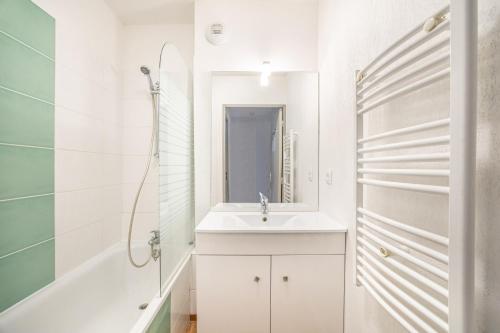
(280, 31)
(302, 115)
(488, 170)
(350, 34)
(141, 46)
(87, 130)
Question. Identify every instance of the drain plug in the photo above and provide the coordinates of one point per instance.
(143, 306)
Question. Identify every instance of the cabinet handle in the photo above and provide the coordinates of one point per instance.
(285, 278)
(256, 279)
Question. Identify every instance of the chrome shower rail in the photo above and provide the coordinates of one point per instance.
(423, 279)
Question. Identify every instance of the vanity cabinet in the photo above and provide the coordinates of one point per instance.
(307, 293)
(270, 293)
(233, 294)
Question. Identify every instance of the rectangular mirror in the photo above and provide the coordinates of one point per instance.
(265, 138)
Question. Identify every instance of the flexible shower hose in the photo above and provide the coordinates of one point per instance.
(139, 190)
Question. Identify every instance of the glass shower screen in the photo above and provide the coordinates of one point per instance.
(176, 162)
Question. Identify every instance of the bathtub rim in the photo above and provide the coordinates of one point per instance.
(158, 299)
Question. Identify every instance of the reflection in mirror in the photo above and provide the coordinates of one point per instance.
(265, 139)
(253, 153)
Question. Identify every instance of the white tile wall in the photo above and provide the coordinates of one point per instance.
(75, 209)
(81, 132)
(133, 169)
(137, 112)
(143, 224)
(87, 130)
(78, 245)
(148, 201)
(136, 140)
(77, 170)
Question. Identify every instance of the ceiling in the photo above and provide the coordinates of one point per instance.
(153, 11)
(164, 11)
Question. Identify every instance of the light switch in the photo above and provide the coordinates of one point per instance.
(329, 177)
(310, 176)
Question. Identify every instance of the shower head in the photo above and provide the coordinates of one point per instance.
(145, 70)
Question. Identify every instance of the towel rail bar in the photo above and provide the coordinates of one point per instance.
(405, 227)
(404, 282)
(388, 307)
(432, 157)
(408, 130)
(443, 59)
(410, 314)
(403, 295)
(419, 56)
(411, 244)
(440, 140)
(414, 260)
(403, 39)
(441, 28)
(407, 270)
(407, 172)
(406, 186)
(445, 73)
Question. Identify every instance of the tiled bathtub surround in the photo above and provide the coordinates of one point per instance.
(60, 139)
(27, 85)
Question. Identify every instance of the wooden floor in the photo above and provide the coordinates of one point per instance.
(192, 327)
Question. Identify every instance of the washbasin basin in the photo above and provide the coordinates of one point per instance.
(274, 222)
(260, 220)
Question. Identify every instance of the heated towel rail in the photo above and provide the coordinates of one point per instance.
(289, 167)
(423, 278)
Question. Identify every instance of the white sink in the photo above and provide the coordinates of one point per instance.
(255, 207)
(270, 220)
(284, 233)
(282, 222)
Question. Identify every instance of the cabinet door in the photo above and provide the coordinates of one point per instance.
(307, 294)
(233, 294)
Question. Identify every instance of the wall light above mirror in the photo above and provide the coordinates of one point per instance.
(265, 139)
(265, 73)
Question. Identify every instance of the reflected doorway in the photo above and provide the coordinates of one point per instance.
(253, 152)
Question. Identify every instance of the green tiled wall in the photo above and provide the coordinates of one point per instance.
(34, 117)
(27, 69)
(25, 171)
(161, 323)
(26, 271)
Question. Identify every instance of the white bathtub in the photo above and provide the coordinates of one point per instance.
(102, 295)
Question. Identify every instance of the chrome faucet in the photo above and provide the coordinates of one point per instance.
(154, 243)
(264, 203)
